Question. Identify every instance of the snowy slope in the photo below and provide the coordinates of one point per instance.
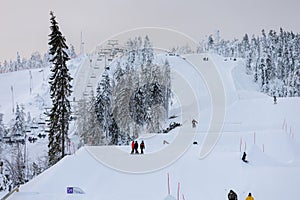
(268, 133)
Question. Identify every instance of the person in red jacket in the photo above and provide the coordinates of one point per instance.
(132, 147)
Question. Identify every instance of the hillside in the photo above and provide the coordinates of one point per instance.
(233, 117)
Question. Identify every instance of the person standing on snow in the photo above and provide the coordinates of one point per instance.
(244, 157)
(132, 147)
(194, 122)
(275, 99)
(142, 147)
(232, 195)
(136, 146)
(249, 197)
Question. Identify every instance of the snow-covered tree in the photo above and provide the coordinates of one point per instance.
(60, 90)
(272, 59)
(18, 128)
(16, 165)
(120, 102)
(2, 129)
(147, 52)
(82, 113)
(103, 103)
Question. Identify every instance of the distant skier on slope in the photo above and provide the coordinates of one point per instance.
(194, 122)
(142, 147)
(249, 197)
(136, 146)
(244, 157)
(275, 99)
(232, 195)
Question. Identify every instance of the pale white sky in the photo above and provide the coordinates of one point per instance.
(25, 24)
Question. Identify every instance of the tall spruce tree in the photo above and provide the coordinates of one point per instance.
(60, 90)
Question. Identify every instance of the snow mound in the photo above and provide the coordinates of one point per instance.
(170, 197)
(257, 157)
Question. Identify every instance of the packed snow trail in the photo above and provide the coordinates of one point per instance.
(215, 87)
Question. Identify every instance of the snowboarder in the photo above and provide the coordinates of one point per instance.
(136, 146)
(142, 147)
(232, 195)
(275, 99)
(244, 157)
(194, 122)
(132, 147)
(249, 197)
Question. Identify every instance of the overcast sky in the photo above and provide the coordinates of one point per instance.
(25, 24)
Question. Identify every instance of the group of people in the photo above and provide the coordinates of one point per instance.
(233, 196)
(135, 145)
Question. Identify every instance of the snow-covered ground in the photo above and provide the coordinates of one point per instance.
(251, 122)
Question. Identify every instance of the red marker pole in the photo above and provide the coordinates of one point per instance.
(169, 184)
(241, 144)
(178, 191)
(69, 149)
(254, 137)
(74, 149)
(283, 124)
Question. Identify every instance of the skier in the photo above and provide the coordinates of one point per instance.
(136, 146)
(232, 195)
(249, 197)
(194, 122)
(132, 147)
(275, 99)
(244, 157)
(142, 147)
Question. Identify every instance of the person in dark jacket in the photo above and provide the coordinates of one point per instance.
(232, 195)
(194, 122)
(244, 157)
(132, 147)
(136, 146)
(142, 147)
(275, 99)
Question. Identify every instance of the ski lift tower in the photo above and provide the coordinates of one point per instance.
(81, 44)
(113, 44)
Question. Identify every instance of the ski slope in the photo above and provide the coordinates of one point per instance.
(233, 117)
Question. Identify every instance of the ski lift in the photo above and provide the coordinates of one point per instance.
(93, 76)
(89, 85)
(85, 93)
(96, 67)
